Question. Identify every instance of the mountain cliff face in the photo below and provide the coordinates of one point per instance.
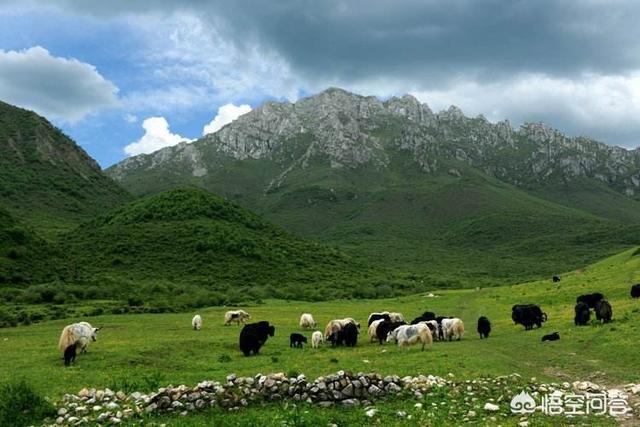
(402, 186)
(350, 131)
(45, 177)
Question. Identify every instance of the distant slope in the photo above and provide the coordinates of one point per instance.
(46, 178)
(455, 200)
(24, 257)
(192, 236)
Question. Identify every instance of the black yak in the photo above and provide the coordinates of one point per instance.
(603, 311)
(528, 315)
(551, 337)
(296, 340)
(583, 314)
(484, 327)
(254, 335)
(590, 299)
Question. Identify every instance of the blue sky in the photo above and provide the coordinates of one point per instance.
(125, 77)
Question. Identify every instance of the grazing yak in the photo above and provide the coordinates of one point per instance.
(196, 322)
(439, 320)
(316, 339)
(424, 317)
(484, 327)
(296, 340)
(69, 355)
(583, 314)
(603, 311)
(433, 327)
(590, 299)
(79, 335)
(306, 321)
(528, 315)
(407, 335)
(378, 316)
(373, 329)
(385, 327)
(452, 329)
(238, 316)
(254, 335)
(555, 279)
(635, 291)
(347, 336)
(551, 337)
(337, 324)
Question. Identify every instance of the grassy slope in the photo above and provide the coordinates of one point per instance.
(135, 348)
(46, 178)
(455, 231)
(24, 257)
(191, 235)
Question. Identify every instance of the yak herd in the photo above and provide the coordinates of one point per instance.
(382, 327)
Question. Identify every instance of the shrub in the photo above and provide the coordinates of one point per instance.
(20, 405)
(7, 319)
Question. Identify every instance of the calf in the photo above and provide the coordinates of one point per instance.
(316, 339)
(484, 327)
(551, 337)
(555, 279)
(635, 291)
(583, 314)
(69, 355)
(296, 340)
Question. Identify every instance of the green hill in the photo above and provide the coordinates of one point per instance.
(190, 236)
(46, 178)
(454, 200)
(24, 257)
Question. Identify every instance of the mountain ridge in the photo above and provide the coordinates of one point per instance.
(46, 178)
(343, 129)
(388, 180)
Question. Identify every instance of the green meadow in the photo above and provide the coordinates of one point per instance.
(146, 351)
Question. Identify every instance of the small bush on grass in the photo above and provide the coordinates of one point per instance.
(20, 405)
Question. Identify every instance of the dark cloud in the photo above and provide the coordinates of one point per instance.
(432, 41)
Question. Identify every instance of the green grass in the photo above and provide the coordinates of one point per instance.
(135, 348)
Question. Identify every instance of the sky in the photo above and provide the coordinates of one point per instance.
(128, 77)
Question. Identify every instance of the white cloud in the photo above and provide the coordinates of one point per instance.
(226, 114)
(62, 88)
(156, 136)
(600, 106)
(130, 118)
(189, 62)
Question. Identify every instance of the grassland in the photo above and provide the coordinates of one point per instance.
(149, 350)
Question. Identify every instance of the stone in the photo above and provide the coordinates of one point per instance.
(111, 405)
(348, 390)
(370, 412)
(325, 403)
(62, 411)
(374, 390)
(491, 407)
(350, 402)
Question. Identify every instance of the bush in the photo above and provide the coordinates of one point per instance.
(7, 320)
(135, 301)
(20, 405)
